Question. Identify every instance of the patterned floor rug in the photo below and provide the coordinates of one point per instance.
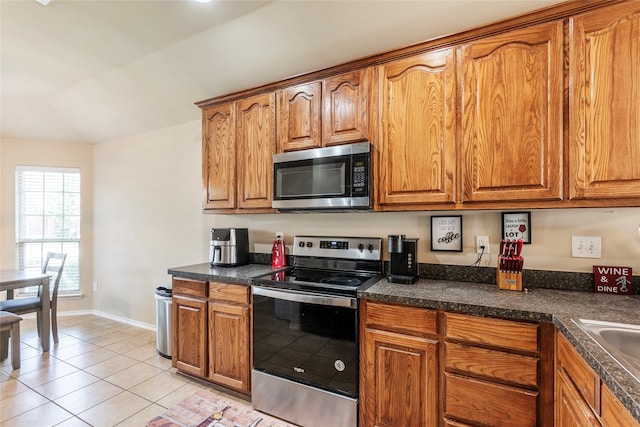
(204, 409)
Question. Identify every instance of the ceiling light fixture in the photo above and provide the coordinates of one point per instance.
(44, 2)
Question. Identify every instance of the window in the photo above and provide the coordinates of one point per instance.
(48, 220)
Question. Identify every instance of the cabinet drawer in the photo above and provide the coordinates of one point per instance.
(196, 288)
(227, 292)
(489, 404)
(401, 318)
(580, 373)
(491, 364)
(506, 334)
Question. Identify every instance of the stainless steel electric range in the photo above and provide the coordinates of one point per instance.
(305, 331)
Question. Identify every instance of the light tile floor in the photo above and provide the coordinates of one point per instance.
(101, 373)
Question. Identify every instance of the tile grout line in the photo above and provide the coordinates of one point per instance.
(25, 345)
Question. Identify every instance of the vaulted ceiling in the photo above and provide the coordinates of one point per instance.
(92, 71)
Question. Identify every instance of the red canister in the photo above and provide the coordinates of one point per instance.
(278, 256)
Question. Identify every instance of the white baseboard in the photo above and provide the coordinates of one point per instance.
(101, 314)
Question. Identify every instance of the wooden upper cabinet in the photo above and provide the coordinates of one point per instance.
(417, 133)
(604, 111)
(219, 157)
(512, 115)
(345, 103)
(256, 145)
(299, 117)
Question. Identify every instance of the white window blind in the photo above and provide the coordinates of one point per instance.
(48, 220)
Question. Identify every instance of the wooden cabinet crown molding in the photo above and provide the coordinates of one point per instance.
(548, 14)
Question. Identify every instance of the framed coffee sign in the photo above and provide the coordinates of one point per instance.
(446, 233)
(516, 225)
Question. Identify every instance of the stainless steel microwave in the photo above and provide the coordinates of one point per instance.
(331, 178)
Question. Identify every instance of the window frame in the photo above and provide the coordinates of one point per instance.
(49, 244)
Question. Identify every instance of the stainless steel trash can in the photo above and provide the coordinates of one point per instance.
(163, 321)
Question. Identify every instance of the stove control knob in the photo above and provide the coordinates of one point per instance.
(309, 244)
(301, 244)
(370, 247)
(361, 247)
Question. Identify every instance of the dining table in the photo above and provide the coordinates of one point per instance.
(16, 279)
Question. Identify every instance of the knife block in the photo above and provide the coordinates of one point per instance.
(508, 280)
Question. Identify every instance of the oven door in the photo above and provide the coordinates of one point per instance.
(307, 337)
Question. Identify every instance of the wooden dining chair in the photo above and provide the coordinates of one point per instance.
(10, 327)
(53, 265)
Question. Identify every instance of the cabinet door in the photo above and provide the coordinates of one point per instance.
(604, 121)
(345, 101)
(229, 352)
(417, 129)
(613, 413)
(189, 335)
(256, 146)
(299, 117)
(219, 157)
(512, 115)
(399, 380)
(571, 410)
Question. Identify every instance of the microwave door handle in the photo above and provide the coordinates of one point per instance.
(306, 297)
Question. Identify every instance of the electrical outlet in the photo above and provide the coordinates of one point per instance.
(586, 247)
(279, 235)
(95, 286)
(482, 241)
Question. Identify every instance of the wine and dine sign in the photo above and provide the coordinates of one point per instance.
(612, 280)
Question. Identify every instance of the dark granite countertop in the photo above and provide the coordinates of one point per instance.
(546, 305)
(239, 275)
(543, 305)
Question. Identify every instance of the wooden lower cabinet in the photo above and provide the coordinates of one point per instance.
(571, 409)
(485, 403)
(494, 372)
(189, 335)
(229, 355)
(402, 380)
(211, 332)
(612, 412)
(581, 397)
(422, 367)
(399, 366)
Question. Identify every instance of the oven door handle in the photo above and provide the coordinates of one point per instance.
(306, 297)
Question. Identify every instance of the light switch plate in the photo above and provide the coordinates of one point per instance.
(586, 247)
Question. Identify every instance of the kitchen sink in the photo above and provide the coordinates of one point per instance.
(620, 340)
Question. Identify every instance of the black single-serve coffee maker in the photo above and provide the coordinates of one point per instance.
(403, 254)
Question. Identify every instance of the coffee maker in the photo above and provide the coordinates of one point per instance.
(403, 254)
(229, 247)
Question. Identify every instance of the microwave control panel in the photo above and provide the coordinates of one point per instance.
(360, 174)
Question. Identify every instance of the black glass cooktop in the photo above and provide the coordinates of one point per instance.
(335, 282)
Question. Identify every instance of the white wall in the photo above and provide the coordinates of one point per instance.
(55, 154)
(147, 218)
